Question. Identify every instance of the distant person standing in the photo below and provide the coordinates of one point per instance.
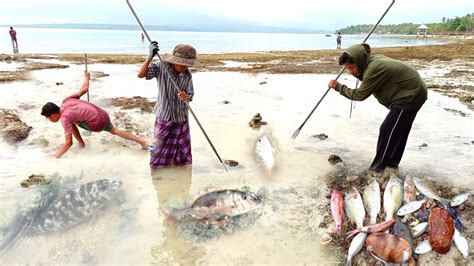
(338, 40)
(143, 37)
(13, 37)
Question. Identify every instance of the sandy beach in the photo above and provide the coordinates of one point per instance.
(282, 87)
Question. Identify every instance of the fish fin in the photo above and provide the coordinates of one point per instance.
(348, 262)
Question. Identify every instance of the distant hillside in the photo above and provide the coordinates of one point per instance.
(461, 24)
(202, 28)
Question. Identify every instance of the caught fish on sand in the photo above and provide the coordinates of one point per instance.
(265, 152)
(459, 199)
(337, 210)
(409, 190)
(218, 206)
(410, 207)
(372, 201)
(392, 196)
(354, 207)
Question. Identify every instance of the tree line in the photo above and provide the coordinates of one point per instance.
(460, 24)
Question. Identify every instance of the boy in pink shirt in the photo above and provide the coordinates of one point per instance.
(75, 112)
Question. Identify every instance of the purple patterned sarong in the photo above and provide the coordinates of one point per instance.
(172, 144)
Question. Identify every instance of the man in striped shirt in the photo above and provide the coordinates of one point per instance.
(171, 131)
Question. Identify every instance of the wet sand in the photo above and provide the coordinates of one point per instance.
(457, 56)
(295, 215)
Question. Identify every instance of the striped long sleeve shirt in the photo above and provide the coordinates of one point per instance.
(168, 106)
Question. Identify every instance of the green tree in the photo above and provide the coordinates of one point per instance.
(455, 23)
(465, 23)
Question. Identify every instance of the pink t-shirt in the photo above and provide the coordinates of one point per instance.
(13, 34)
(74, 110)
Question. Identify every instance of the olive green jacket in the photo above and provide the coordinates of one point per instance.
(392, 82)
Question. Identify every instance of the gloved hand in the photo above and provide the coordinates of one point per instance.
(153, 50)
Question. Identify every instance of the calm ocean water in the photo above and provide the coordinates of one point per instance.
(36, 40)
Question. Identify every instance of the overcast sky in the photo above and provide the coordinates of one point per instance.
(305, 14)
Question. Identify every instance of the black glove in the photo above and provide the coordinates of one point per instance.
(153, 50)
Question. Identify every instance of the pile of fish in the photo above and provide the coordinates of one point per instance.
(433, 221)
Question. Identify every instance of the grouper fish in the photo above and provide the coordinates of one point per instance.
(57, 212)
(218, 205)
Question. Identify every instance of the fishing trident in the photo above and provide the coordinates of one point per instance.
(295, 134)
(177, 87)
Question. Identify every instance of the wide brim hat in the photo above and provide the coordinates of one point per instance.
(183, 54)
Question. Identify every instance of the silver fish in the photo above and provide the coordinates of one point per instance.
(356, 245)
(354, 207)
(392, 196)
(265, 152)
(427, 188)
(423, 247)
(459, 199)
(461, 243)
(218, 205)
(372, 201)
(410, 207)
(61, 212)
(419, 229)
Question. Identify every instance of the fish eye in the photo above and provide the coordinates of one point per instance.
(244, 197)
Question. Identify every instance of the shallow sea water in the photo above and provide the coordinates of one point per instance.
(136, 231)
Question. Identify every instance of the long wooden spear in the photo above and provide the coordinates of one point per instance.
(295, 134)
(178, 89)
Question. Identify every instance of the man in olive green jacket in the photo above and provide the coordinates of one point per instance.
(395, 85)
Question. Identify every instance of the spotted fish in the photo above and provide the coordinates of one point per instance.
(56, 212)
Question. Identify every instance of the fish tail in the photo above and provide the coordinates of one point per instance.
(373, 220)
(166, 214)
(349, 262)
(13, 234)
(352, 233)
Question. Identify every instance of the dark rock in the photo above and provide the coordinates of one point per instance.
(321, 136)
(34, 180)
(12, 129)
(231, 163)
(424, 145)
(256, 121)
(334, 159)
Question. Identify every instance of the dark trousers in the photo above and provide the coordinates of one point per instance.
(393, 138)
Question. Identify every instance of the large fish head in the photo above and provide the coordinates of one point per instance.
(253, 201)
